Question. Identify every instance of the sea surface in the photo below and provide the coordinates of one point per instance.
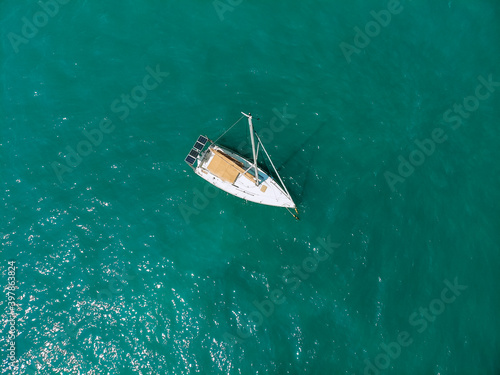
(383, 120)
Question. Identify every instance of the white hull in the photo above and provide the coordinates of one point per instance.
(234, 174)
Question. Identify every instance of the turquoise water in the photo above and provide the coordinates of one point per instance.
(128, 264)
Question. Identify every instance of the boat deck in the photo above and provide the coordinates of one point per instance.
(227, 168)
(233, 174)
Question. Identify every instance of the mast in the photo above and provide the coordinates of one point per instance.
(253, 147)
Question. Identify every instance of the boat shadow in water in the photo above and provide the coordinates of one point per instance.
(301, 162)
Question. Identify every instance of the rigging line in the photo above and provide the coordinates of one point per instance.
(228, 129)
(284, 187)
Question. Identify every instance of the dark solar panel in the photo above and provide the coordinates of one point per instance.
(190, 160)
(195, 151)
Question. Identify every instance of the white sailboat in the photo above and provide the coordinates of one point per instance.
(238, 176)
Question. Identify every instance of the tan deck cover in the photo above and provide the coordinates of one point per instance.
(225, 167)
